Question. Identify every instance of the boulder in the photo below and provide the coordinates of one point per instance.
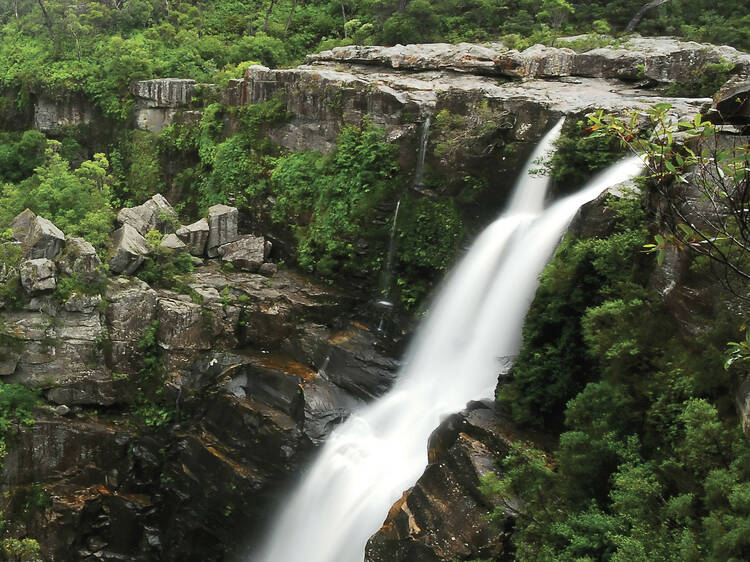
(195, 236)
(732, 101)
(154, 214)
(79, 257)
(172, 242)
(248, 252)
(222, 227)
(21, 225)
(43, 240)
(38, 275)
(268, 269)
(129, 250)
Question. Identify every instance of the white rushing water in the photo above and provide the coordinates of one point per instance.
(369, 461)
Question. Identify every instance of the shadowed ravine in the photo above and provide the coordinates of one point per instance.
(475, 320)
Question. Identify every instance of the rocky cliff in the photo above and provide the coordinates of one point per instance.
(171, 419)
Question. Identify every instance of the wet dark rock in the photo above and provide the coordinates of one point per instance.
(444, 517)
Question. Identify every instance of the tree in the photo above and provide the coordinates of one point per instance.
(555, 12)
(701, 177)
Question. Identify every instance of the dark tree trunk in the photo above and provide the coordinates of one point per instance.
(268, 15)
(47, 20)
(642, 12)
(291, 15)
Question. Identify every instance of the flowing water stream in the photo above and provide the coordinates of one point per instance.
(476, 319)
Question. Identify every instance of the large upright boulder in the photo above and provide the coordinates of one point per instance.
(129, 250)
(43, 240)
(195, 236)
(156, 213)
(222, 227)
(38, 275)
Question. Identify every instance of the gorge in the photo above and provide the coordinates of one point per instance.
(177, 408)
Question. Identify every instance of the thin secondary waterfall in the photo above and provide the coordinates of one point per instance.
(381, 450)
(385, 303)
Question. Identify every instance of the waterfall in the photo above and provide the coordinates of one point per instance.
(424, 139)
(477, 317)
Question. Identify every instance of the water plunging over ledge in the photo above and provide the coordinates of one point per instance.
(477, 317)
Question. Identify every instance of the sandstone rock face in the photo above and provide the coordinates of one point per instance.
(247, 252)
(156, 213)
(131, 309)
(129, 250)
(343, 85)
(60, 352)
(222, 225)
(79, 257)
(444, 516)
(195, 236)
(164, 92)
(38, 275)
(51, 115)
(43, 240)
(247, 419)
(660, 58)
(158, 101)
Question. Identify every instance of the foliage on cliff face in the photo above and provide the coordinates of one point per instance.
(79, 201)
(651, 462)
(331, 200)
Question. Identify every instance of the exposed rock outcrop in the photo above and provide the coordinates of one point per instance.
(159, 102)
(662, 59)
(52, 115)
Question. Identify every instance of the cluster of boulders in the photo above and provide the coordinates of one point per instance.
(216, 236)
(46, 250)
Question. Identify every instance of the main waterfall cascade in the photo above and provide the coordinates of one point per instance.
(476, 319)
